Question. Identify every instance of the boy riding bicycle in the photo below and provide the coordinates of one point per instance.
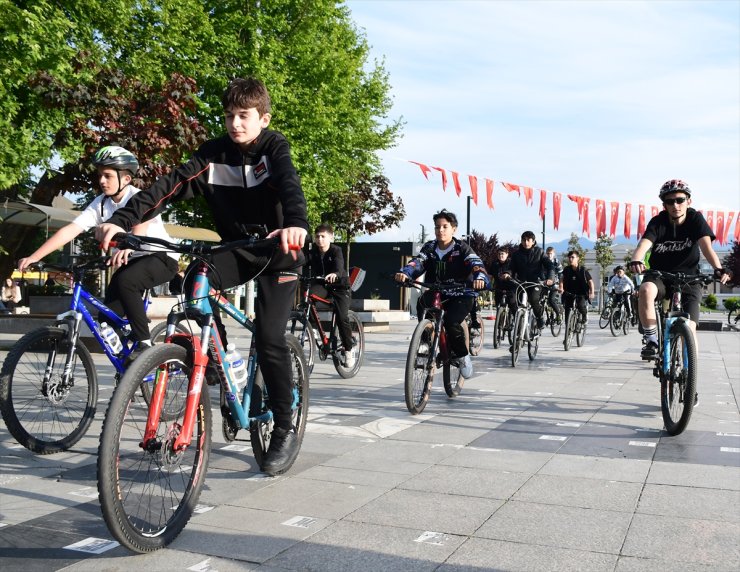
(247, 177)
(675, 236)
(448, 259)
(576, 284)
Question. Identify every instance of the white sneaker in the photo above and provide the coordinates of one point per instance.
(349, 359)
(466, 367)
(423, 349)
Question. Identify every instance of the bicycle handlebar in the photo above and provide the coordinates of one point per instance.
(135, 242)
(682, 278)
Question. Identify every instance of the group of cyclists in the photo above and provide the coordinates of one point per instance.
(247, 178)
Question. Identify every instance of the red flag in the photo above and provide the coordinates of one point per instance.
(489, 193)
(720, 226)
(627, 220)
(600, 218)
(728, 224)
(456, 182)
(512, 188)
(556, 200)
(424, 169)
(641, 221)
(543, 200)
(527, 196)
(710, 220)
(474, 187)
(579, 201)
(654, 211)
(737, 228)
(614, 219)
(444, 177)
(586, 228)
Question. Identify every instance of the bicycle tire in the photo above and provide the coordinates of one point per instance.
(358, 339)
(581, 334)
(605, 317)
(52, 418)
(678, 385)
(615, 322)
(626, 324)
(451, 377)
(148, 494)
(303, 331)
(555, 327)
(533, 342)
(173, 407)
(733, 316)
(499, 329)
(518, 336)
(570, 329)
(477, 335)
(420, 365)
(260, 431)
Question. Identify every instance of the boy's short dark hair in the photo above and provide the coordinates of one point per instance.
(447, 215)
(572, 252)
(549, 250)
(528, 234)
(324, 228)
(246, 93)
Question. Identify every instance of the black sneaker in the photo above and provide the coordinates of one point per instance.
(649, 351)
(131, 358)
(282, 452)
(540, 323)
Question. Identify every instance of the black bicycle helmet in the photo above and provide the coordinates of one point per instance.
(117, 158)
(674, 186)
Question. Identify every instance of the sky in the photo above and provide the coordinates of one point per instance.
(604, 99)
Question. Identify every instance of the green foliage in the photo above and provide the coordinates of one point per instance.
(484, 247)
(573, 244)
(731, 304)
(711, 301)
(604, 253)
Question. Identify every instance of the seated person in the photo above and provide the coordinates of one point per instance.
(11, 295)
(448, 259)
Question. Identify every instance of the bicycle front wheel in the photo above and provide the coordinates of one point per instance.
(605, 317)
(451, 376)
(555, 325)
(570, 330)
(615, 323)
(581, 333)
(303, 331)
(175, 404)
(533, 343)
(148, 492)
(260, 429)
(499, 329)
(358, 347)
(44, 410)
(517, 337)
(420, 367)
(678, 384)
(733, 316)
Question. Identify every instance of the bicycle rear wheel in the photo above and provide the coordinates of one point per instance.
(420, 367)
(678, 384)
(626, 322)
(261, 431)
(45, 413)
(615, 322)
(733, 316)
(477, 333)
(605, 317)
(451, 376)
(358, 341)
(148, 493)
(555, 326)
(499, 329)
(303, 331)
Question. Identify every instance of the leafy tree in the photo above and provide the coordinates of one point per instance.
(484, 247)
(368, 207)
(573, 244)
(604, 253)
(732, 263)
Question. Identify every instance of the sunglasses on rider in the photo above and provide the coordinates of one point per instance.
(676, 201)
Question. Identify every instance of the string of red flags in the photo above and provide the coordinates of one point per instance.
(720, 221)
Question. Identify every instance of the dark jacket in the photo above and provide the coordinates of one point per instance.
(496, 270)
(330, 262)
(258, 186)
(531, 265)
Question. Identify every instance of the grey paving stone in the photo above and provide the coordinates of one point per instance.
(162, 561)
(681, 541)
(710, 476)
(380, 480)
(478, 554)
(357, 547)
(558, 526)
(448, 513)
(690, 502)
(498, 459)
(466, 481)
(630, 470)
(630, 564)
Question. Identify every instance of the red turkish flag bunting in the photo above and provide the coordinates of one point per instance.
(586, 228)
(444, 177)
(424, 169)
(710, 220)
(600, 217)
(527, 195)
(543, 201)
(627, 220)
(614, 219)
(489, 193)
(720, 226)
(474, 187)
(579, 201)
(512, 188)
(737, 228)
(654, 211)
(456, 182)
(641, 221)
(557, 199)
(728, 224)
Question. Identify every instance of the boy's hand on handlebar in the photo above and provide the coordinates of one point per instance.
(400, 277)
(330, 278)
(24, 263)
(478, 284)
(120, 258)
(637, 267)
(291, 239)
(105, 232)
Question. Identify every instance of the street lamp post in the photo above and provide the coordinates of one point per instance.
(468, 227)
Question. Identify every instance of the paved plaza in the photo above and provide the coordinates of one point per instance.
(558, 464)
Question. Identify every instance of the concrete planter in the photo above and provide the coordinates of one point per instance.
(49, 305)
(370, 305)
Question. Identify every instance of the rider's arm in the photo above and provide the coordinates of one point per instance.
(56, 241)
(636, 264)
(590, 288)
(705, 245)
